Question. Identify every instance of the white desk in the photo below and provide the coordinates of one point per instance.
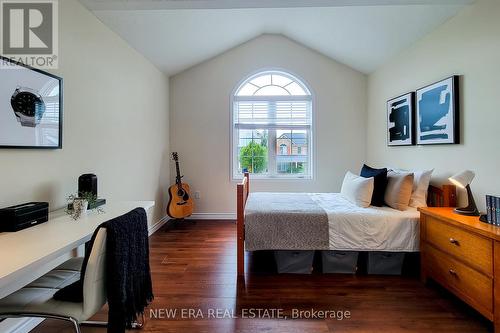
(27, 254)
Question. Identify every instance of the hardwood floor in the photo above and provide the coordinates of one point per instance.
(194, 267)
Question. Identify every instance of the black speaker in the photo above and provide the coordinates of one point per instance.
(87, 183)
(23, 216)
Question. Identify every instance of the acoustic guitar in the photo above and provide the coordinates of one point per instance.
(181, 204)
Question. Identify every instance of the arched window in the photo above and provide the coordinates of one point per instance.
(272, 126)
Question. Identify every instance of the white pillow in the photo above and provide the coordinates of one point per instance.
(358, 190)
(420, 188)
(421, 181)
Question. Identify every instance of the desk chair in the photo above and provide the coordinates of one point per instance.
(35, 300)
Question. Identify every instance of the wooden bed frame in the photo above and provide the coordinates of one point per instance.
(436, 197)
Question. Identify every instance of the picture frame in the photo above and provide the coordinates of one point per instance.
(31, 107)
(401, 120)
(437, 112)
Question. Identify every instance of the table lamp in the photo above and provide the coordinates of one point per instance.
(463, 180)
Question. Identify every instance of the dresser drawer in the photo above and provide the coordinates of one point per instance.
(470, 248)
(472, 286)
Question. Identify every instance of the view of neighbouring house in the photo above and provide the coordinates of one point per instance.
(291, 151)
(291, 148)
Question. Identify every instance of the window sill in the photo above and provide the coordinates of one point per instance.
(271, 178)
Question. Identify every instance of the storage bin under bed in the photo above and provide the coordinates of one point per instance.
(295, 262)
(344, 262)
(386, 263)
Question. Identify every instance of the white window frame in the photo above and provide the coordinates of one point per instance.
(234, 140)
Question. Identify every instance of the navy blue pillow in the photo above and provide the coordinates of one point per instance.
(380, 183)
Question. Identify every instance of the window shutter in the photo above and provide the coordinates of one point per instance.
(274, 114)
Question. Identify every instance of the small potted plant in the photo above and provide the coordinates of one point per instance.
(79, 205)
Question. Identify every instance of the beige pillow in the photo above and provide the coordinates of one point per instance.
(399, 189)
(421, 181)
(358, 190)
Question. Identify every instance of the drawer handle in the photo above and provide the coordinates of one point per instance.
(453, 272)
(454, 241)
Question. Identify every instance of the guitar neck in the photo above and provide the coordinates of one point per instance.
(178, 171)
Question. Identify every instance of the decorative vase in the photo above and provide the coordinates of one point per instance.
(79, 208)
(85, 205)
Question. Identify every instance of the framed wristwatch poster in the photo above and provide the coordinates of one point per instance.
(30, 107)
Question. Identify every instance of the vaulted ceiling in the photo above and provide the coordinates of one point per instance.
(363, 34)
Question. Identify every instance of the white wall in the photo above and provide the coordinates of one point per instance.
(468, 45)
(115, 122)
(200, 118)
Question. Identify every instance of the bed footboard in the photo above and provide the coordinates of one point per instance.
(242, 190)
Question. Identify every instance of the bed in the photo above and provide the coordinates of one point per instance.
(325, 221)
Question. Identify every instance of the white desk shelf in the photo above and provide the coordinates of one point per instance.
(27, 254)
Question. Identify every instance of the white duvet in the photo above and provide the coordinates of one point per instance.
(369, 229)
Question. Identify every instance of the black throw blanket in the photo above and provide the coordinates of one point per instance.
(128, 275)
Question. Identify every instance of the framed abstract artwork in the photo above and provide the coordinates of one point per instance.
(30, 107)
(438, 112)
(400, 120)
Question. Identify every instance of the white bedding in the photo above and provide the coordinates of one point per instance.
(369, 229)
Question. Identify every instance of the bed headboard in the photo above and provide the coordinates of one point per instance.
(442, 197)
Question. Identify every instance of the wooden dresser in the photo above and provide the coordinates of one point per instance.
(462, 254)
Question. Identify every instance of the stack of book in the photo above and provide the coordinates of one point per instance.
(493, 209)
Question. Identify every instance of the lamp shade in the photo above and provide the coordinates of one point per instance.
(463, 178)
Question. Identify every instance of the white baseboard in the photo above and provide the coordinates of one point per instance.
(19, 325)
(154, 228)
(213, 216)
